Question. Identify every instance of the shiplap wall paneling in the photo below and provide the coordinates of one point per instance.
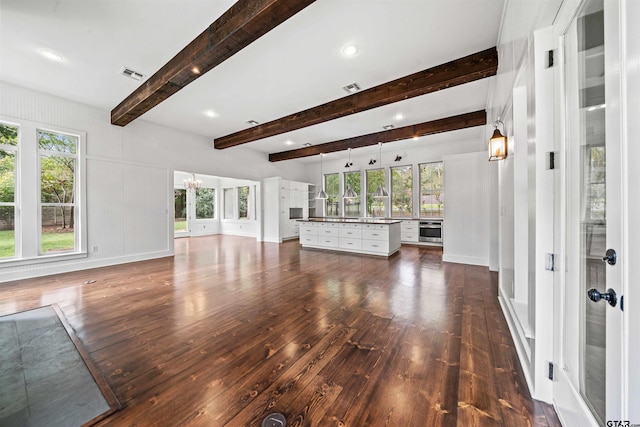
(466, 223)
(146, 209)
(105, 231)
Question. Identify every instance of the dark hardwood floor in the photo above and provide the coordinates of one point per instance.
(230, 330)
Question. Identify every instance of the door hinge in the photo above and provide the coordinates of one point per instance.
(550, 371)
(550, 160)
(549, 262)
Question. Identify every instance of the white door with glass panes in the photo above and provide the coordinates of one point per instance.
(591, 341)
(190, 206)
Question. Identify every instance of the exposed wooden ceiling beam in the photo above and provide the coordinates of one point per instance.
(239, 26)
(462, 121)
(464, 70)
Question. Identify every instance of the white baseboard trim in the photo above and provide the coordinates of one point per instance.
(272, 240)
(238, 233)
(463, 259)
(47, 269)
(517, 340)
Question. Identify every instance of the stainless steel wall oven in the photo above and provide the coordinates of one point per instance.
(431, 231)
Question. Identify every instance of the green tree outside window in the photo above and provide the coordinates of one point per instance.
(402, 192)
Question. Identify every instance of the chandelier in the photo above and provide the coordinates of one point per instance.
(192, 183)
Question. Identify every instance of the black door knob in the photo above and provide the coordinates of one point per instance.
(609, 296)
(610, 256)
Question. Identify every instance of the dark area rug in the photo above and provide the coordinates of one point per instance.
(44, 378)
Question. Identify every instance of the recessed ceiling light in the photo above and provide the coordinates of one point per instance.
(307, 144)
(415, 138)
(51, 55)
(399, 116)
(195, 70)
(128, 72)
(350, 50)
(288, 142)
(252, 122)
(351, 88)
(210, 113)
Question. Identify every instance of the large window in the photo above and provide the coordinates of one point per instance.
(244, 202)
(376, 206)
(205, 203)
(42, 192)
(431, 190)
(332, 187)
(402, 192)
(58, 155)
(8, 152)
(352, 206)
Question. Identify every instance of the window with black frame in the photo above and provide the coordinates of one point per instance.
(376, 206)
(432, 190)
(332, 187)
(402, 192)
(352, 205)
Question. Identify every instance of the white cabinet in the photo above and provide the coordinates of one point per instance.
(373, 239)
(298, 195)
(410, 231)
(284, 202)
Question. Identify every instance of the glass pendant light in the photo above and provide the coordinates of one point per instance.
(322, 195)
(349, 193)
(380, 191)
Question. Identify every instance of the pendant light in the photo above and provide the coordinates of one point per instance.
(322, 195)
(380, 191)
(498, 147)
(349, 193)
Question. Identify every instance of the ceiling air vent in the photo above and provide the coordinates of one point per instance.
(132, 74)
(388, 127)
(351, 88)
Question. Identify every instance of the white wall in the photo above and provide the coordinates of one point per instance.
(533, 233)
(519, 20)
(130, 178)
(466, 201)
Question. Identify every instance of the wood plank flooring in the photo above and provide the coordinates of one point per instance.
(231, 330)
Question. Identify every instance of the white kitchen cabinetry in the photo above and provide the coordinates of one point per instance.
(284, 202)
(410, 231)
(372, 239)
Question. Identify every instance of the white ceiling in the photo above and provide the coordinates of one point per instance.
(294, 67)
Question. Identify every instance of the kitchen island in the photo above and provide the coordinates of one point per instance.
(359, 235)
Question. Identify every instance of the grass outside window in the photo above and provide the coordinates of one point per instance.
(51, 241)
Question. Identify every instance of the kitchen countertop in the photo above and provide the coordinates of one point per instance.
(354, 220)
